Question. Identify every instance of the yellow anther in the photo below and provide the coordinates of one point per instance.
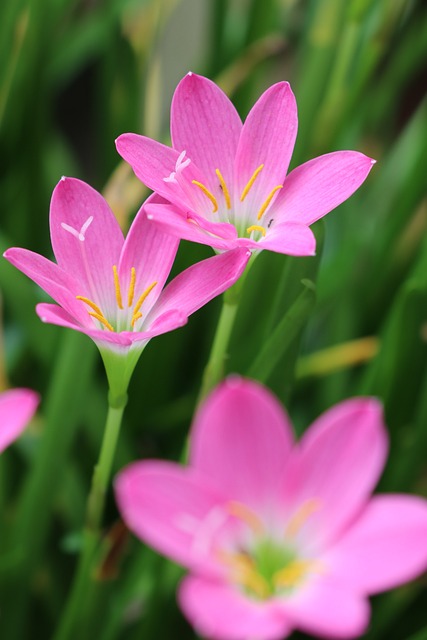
(208, 194)
(242, 512)
(117, 287)
(301, 516)
(136, 315)
(102, 320)
(243, 572)
(224, 188)
(91, 304)
(292, 573)
(250, 183)
(131, 291)
(268, 200)
(256, 227)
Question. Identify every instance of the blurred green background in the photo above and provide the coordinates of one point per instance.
(74, 75)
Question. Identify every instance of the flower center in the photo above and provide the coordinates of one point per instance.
(268, 566)
(131, 314)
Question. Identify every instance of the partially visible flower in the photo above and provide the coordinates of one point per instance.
(227, 182)
(112, 289)
(278, 535)
(17, 407)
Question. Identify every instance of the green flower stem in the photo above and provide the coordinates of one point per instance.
(214, 369)
(92, 530)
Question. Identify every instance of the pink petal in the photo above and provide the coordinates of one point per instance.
(328, 610)
(267, 138)
(385, 547)
(337, 465)
(201, 282)
(152, 162)
(151, 252)
(17, 407)
(318, 186)
(219, 612)
(241, 438)
(290, 238)
(205, 124)
(221, 236)
(174, 510)
(53, 314)
(61, 286)
(90, 260)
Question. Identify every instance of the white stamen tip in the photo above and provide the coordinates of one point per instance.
(63, 178)
(150, 216)
(190, 73)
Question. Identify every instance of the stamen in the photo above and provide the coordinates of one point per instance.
(224, 188)
(135, 317)
(91, 304)
(256, 227)
(301, 516)
(117, 287)
(292, 573)
(245, 573)
(131, 291)
(250, 183)
(208, 194)
(135, 314)
(242, 512)
(268, 200)
(102, 320)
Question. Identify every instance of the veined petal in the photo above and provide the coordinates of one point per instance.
(150, 252)
(86, 238)
(268, 139)
(173, 509)
(52, 314)
(205, 124)
(201, 282)
(385, 547)
(241, 438)
(219, 612)
(152, 162)
(318, 186)
(220, 235)
(17, 407)
(290, 238)
(337, 465)
(61, 286)
(326, 609)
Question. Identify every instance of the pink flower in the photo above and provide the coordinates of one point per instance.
(278, 535)
(227, 183)
(17, 407)
(111, 288)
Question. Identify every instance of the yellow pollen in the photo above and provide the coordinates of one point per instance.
(117, 287)
(268, 200)
(102, 320)
(224, 188)
(242, 512)
(131, 286)
(250, 183)
(293, 573)
(208, 194)
(301, 516)
(136, 315)
(91, 304)
(256, 227)
(243, 571)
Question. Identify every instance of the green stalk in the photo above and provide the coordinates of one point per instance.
(72, 615)
(214, 369)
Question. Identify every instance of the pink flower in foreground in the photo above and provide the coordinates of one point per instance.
(278, 535)
(111, 288)
(226, 181)
(17, 407)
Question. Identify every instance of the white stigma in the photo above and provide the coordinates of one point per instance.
(80, 235)
(180, 165)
